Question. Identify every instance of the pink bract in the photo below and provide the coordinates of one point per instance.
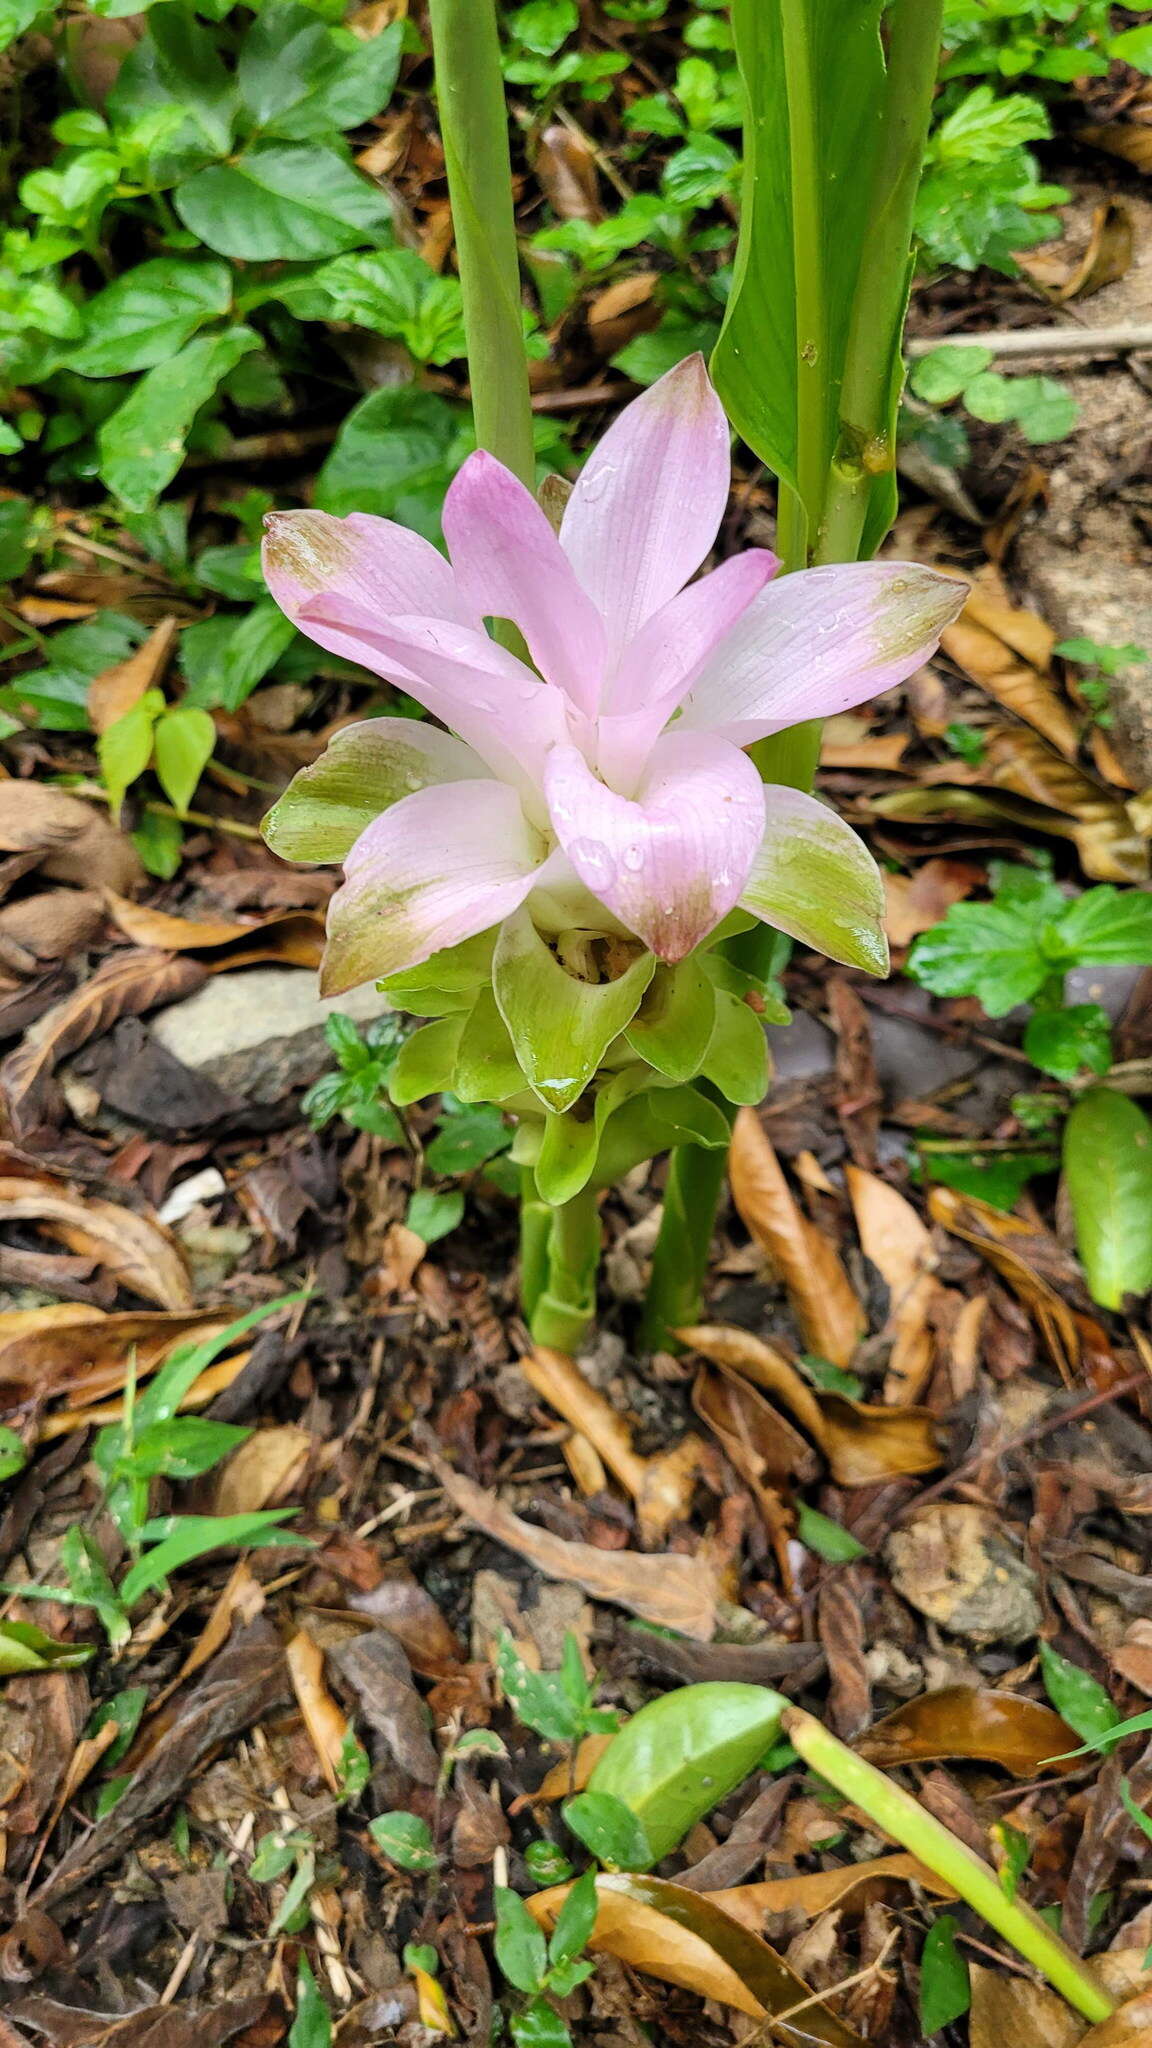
(605, 786)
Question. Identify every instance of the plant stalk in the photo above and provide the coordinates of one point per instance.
(558, 1279)
(799, 523)
(474, 128)
(866, 442)
(680, 1260)
(902, 1817)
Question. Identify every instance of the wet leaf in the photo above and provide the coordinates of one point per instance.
(1078, 1698)
(1108, 1173)
(683, 1938)
(830, 1316)
(966, 1721)
(685, 1752)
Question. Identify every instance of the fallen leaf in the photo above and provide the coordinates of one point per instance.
(968, 1721)
(673, 1591)
(75, 842)
(626, 307)
(1133, 1658)
(114, 692)
(916, 902)
(295, 937)
(254, 2022)
(566, 168)
(1110, 846)
(1008, 1244)
(55, 923)
(662, 1487)
(264, 1471)
(328, 1728)
(759, 1441)
(375, 1667)
(1127, 139)
(133, 1246)
(683, 1938)
(1016, 684)
(1129, 2027)
(398, 1603)
(883, 751)
(82, 1351)
(573, 1774)
(52, 611)
(1007, 2011)
(125, 985)
(1105, 259)
(899, 1245)
(818, 1891)
(831, 1319)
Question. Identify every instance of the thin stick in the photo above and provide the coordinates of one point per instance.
(1043, 341)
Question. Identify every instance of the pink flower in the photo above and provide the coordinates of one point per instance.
(606, 786)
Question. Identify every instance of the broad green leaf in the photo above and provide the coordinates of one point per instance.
(994, 1175)
(432, 1215)
(183, 743)
(466, 1139)
(814, 148)
(560, 1026)
(611, 1830)
(142, 443)
(1133, 46)
(25, 1648)
(737, 1058)
(539, 2026)
(427, 1061)
(450, 980)
(312, 2025)
(235, 655)
(189, 62)
(521, 1950)
(685, 1752)
(56, 696)
(299, 78)
(1077, 1697)
(673, 1027)
(487, 1069)
(1063, 1042)
(15, 538)
(395, 454)
(389, 291)
(1108, 925)
(945, 372)
(159, 841)
(988, 950)
(17, 16)
(945, 1991)
(125, 748)
(145, 316)
(283, 201)
(126, 1709)
(1108, 1173)
(406, 1840)
(654, 1122)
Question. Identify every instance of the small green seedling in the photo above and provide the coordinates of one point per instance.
(1100, 665)
(558, 1705)
(538, 1966)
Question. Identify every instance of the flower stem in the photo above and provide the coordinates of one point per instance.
(811, 324)
(474, 128)
(865, 447)
(560, 1253)
(680, 1260)
(915, 1829)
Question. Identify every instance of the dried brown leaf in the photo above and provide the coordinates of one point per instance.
(916, 902)
(1127, 139)
(266, 1470)
(55, 923)
(829, 1314)
(76, 842)
(398, 1603)
(818, 1891)
(566, 168)
(328, 1728)
(1009, 1245)
(968, 1721)
(1016, 684)
(1063, 274)
(295, 937)
(899, 1245)
(134, 1247)
(117, 689)
(378, 1672)
(1111, 847)
(1007, 2011)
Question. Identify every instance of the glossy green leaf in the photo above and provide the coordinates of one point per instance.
(539, 2026)
(945, 1990)
(561, 1027)
(234, 655)
(395, 455)
(487, 1069)
(283, 201)
(406, 1840)
(827, 1538)
(673, 1027)
(25, 1648)
(1109, 925)
(299, 78)
(576, 1920)
(655, 1121)
(737, 1058)
(606, 1826)
(1078, 1698)
(177, 1539)
(145, 316)
(125, 748)
(183, 741)
(142, 443)
(1108, 1173)
(521, 1950)
(427, 1061)
(190, 65)
(685, 1752)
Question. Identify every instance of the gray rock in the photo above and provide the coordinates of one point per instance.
(801, 1050)
(259, 1032)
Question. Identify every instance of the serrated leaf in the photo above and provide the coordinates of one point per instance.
(1063, 1042)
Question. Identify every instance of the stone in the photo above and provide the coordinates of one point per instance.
(259, 1032)
(955, 1564)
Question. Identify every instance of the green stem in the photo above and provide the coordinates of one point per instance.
(865, 446)
(559, 1282)
(474, 128)
(812, 452)
(680, 1260)
(902, 1817)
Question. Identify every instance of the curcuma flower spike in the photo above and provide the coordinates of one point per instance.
(604, 789)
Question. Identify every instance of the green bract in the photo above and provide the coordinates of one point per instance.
(682, 1754)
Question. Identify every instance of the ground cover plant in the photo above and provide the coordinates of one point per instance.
(589, 1486)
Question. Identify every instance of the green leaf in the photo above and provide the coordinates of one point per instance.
(945, 372)
(427, 1061)
(541, 1700)
(685, 1752)
(395, 455)
(1107, 925)
(560, 1026)
(610, 1830)
(125, 748)
(190, 65)
(126, 1709)
(15, 538)
(184, 1447)
(1108, 1173)
(25, 1648)
(520, 1947)
(546, 1863)
(13, 1453)
(487, 1069)
(466, 1139)
(312, 2026)
(1133, 46)
(1063, 1042)
(57, 695)
(575, 1920)
(988, 950)
(648, 356)
(17, 16)
(283, 201)
(177, 1539)
(432, 1215)
(234, 656)
(945, 1991)
(826, 1537)
(159, 842)
(146, 315)
(539, 2026)
(761, 357)
(1043, 410)
(392, 292)
(142, 443)
(994, 1175)
(737, 1058)
(1077, 1697)
(299, 78)
(544, 24)
(183, 742)
(673, 1028)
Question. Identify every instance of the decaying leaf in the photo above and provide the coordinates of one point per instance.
(673, 1591)
(900, 1247)
(264, 1471)
(73, 841)
(1017, 684)
(916, 902)
(1110, 845)
(817, 1891)
(1106, 257)
(662, 1487)
(133, 1246)
(829, 1314)
(954, 1563)
(566, 169)
(1128, 139)
(116, 690)
(683, 1938)
(1004, 1728)
(328, 1728)
(295, 937)
(1007, 2010)
(1008, 1244)
(124, 986)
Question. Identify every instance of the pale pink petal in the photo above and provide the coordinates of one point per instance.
(648, 503)
(813, 878)
(364, 769)
(437, 868)
(510, 565)
(671, 863)
(661, 663)
(819, 642)
(382, 566)
(492, 700)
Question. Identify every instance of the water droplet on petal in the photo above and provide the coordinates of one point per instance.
(593, 863)
(634, 858)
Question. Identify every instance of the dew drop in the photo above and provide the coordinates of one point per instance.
(593, 863)
(634, 858)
